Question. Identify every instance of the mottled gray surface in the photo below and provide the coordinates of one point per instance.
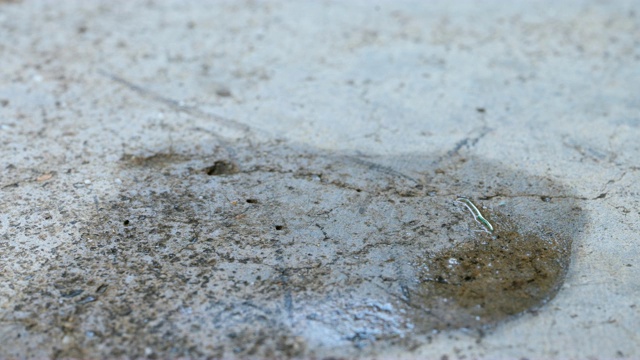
(278, 179)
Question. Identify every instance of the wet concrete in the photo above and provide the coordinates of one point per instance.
(280, 179)
(274, 249)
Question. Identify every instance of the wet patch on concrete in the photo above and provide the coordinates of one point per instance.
(278, 250)
(221, 167)
(486, 280)
(158, 160)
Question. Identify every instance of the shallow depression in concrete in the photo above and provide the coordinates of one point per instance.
(279, 249)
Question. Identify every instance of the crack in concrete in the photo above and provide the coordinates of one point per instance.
(469, 141)
(176, 105)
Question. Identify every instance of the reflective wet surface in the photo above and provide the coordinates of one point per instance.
(276, 249)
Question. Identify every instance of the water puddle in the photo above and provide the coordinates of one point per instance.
(480, 282)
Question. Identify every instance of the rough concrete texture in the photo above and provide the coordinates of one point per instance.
(281, 179)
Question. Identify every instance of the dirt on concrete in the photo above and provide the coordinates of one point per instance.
(279, 250)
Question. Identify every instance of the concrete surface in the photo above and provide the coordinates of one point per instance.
(279, 179)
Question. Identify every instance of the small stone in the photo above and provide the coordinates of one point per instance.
(44, 177)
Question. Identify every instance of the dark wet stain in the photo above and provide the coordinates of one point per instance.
(489, 279)
(221, 167)
(155, 160)
(299, 253)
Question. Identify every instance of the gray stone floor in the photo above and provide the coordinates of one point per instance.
(279, 179)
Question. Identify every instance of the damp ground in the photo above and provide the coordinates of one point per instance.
(275, 249)
(325, 224)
